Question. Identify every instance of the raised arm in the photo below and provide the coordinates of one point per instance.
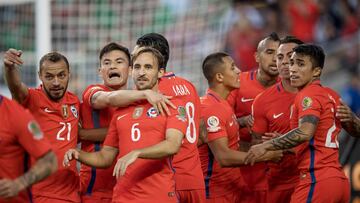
(122, 98)
(43, 167)
(168, 147)
(12, 60)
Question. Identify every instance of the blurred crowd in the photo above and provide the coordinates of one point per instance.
(318, 21)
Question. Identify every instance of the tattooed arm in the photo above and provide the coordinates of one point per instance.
(305, 131)
(43, 167)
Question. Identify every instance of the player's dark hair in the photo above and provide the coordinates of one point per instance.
(315, 52)
(211, 63)
(290, 39)
(114, 46)
(53, 57)
(159, 57)
(273, 36)
(156, 41)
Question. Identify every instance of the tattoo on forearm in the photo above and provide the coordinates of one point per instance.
(43, 168)
(294, 137)
(289, 140)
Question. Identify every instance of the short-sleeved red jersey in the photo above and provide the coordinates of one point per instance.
(271, 112)
(19, 135)
(241, 100)
(139, 126)
(318, 158)
(186, 162)
(92, 179)
(220, 122)
(59, 122)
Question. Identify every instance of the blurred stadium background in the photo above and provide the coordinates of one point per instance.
(79, 28)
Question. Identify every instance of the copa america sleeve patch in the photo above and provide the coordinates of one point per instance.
(306, 103)
(35, 130)
(181, 114)
(213, 124)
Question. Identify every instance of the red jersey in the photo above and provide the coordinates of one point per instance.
(271, 112)
(221, 122)
(241, 100)
(186, 162)
(59, 122)
(92, 179)
(139, 126)
(318, 158)
(19, 135)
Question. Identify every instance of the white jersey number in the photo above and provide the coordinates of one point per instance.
(135, 132)
(190, 112)
(59, 135)
(331, 136)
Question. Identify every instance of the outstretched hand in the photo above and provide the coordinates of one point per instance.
(159, 101)
(344, 113)
(12, 57)
(70, 155)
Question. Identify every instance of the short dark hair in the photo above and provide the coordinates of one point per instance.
(53, 57)
(159, 57)
(211, 63)
(291, 39)
(273, 36)
(315, 52)
(114, 46)
(158, 42)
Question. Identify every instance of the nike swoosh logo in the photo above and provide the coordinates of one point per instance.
(243, 99)
(119, 117)
(47, 110)
(277, 115)
(231, 124)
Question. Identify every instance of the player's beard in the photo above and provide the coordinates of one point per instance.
(57, 98)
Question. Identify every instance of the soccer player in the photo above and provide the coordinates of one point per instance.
(99, 102)
(314, 134)
(252, 84)
(188, 177)
(143, 140)
(271, 112)
(56, 110)
(20, 134)
(223, 181)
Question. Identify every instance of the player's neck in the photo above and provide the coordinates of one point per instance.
(265, 79)
(222, 91)
(287, 86)
(123, 87)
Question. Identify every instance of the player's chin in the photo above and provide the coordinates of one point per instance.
(57, 95)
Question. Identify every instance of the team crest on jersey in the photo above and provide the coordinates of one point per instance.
(152, 112)
(74, 111)
(65, 111)
(306, 103)
(35, 130)
(181, 114)
(137, 112)
(213, 124)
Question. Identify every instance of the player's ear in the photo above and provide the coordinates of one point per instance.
(219, 77)
(161, 72)
(257, 57)
(317, 72)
